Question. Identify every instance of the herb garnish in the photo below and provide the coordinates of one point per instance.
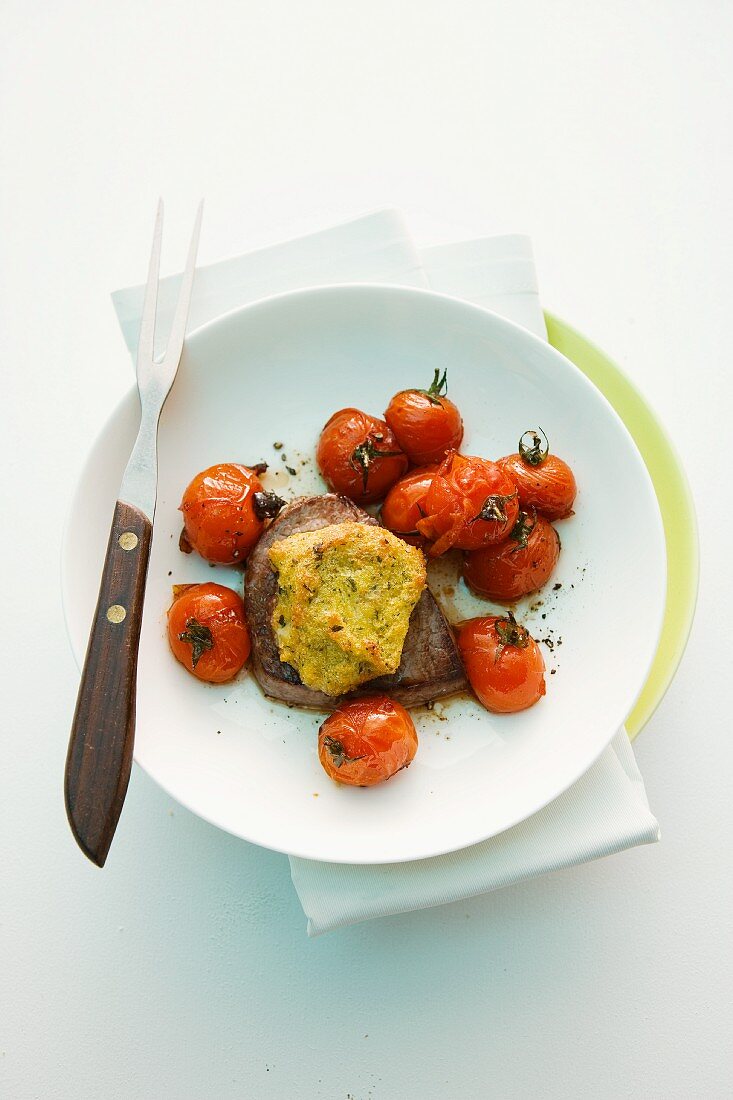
(200, 638)
(364, 455)
(521, 531)
(266, 505)
(535, 454)
(493, 508)
(510, 633)
(339, 755)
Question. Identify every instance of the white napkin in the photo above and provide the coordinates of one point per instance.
(607, 810)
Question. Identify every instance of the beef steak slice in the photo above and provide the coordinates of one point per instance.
(430, 667)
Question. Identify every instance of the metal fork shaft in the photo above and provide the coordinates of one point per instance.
(139, 481)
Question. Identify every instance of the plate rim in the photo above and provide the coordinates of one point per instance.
(261, 305)
(671, 484)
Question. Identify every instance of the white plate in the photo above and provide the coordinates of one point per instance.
(275, 371)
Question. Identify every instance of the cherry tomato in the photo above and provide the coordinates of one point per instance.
(471, 503)
(224, 509)
(403, 505)
(503, 663)
(208, 632)
(359, 456)
(425, 423)
(518, 566)
(544, 481)
(367, 741)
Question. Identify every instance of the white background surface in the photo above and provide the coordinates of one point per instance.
(183, 969)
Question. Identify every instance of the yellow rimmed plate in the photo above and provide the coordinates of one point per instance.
(675, 502)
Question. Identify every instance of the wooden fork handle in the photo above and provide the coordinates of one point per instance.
(99, 761)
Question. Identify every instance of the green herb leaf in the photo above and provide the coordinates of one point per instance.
(266, 505)
(199, 637)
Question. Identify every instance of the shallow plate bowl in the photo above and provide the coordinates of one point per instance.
(272, 373)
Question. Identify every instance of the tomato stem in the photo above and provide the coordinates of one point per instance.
(438, 387)
(535, 454)
(364, 455)
(510, 632)
(339, 754)
(522, 529)
(493, 508)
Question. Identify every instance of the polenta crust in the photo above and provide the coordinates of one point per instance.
(344, 599)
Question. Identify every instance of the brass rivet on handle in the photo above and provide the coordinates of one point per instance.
(128, 540)
(116, 613)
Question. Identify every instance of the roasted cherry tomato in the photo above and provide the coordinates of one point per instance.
(224, 509)
(367, 741)
(503, 663)
(471, 503)
(403, 505)
(544, 481)
(359, 456)
(425, 423)
(518, 566)
(208, 632)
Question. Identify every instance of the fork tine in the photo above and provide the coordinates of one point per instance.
(178, 328)
(146, 342)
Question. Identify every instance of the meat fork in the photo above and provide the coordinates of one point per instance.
(99, 760)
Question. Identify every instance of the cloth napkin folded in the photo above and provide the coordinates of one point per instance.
(606, 810)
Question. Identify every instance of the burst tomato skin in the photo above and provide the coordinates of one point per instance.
(367, 741)
(359, 456)
(509, 570)
(505, 677)
(403, 505)
(464, 486)
(426, 424)
(220, 611)
(549, 487)
(218, 512)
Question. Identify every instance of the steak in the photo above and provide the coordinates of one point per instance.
(430, 667)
